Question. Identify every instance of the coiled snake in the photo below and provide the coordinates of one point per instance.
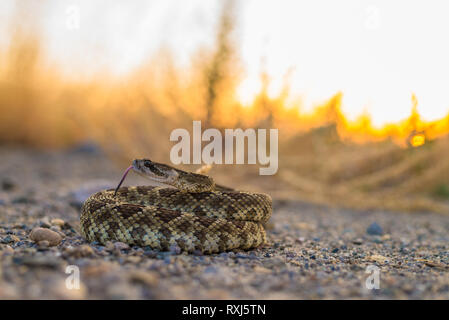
(195, 215)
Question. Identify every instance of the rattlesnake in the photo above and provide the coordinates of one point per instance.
(195, 215)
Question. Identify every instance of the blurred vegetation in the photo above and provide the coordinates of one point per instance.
(323, 157)
(442, 191)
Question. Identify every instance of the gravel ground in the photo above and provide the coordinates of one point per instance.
(314, 252)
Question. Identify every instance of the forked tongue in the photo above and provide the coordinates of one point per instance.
(123, 179)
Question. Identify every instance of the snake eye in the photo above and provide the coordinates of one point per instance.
(148, 164)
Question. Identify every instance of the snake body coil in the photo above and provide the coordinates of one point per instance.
(195, 215)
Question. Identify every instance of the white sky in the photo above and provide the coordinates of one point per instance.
(376, 52)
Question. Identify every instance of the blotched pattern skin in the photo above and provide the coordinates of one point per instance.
(159, 217)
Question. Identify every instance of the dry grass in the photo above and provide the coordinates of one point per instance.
(370, 176)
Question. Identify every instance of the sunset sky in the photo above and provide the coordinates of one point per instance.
(376, 52)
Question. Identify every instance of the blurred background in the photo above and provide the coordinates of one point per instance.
(357, 89)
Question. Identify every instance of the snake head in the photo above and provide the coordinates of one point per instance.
(155, 171)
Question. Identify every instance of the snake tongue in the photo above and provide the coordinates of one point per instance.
(123, 179)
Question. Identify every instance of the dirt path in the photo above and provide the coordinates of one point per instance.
(314, 252)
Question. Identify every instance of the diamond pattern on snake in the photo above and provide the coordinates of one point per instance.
(193, 213)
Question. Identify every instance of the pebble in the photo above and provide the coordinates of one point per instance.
(374, 229)
(121, 245)
(23, 200)
(57, 222)
(39, 262)
(82, 251)
(133, 259)
(175, 249)
(43, 244)
(41, 234)
(210, 269)
(98, 269)
(378, 258)
(148, 278)
(385, 237)
(150, 254)
(44, 224)
(8, 184)
(7, 250)
(300, 240)
(10, 239)
(55, 229)
(197, 253)
(167, 260)
(262, 270)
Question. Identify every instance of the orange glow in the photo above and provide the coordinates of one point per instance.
(413, 126)
(412, 130)
(418, 140)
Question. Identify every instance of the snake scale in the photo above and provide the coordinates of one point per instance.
(194, 213)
